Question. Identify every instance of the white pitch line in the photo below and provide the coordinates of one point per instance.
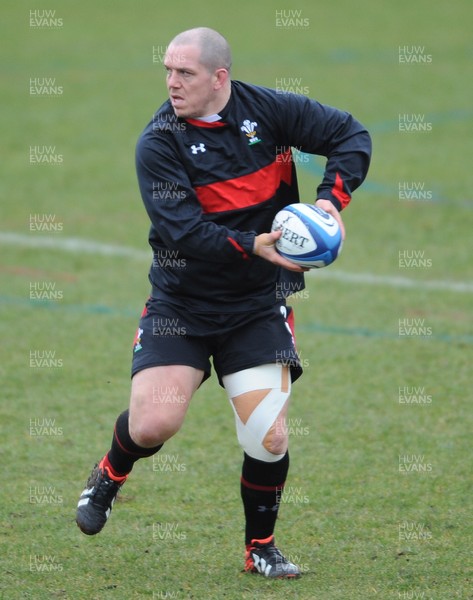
(79, 245)
(392, 281)
(76, 245)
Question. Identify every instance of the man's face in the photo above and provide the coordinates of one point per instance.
(190, 85)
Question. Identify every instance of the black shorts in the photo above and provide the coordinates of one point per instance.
(168, 335)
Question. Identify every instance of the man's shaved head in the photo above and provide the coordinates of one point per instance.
(197, 64)
(214, 49)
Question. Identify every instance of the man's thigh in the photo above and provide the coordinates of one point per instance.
(168, 366)
(160, 397)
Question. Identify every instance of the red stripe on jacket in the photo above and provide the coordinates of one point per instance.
(236, 245)
(247, 190)
(339, 192)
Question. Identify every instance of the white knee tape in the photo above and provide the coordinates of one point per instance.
(252, 433)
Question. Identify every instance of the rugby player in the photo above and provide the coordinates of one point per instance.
(214, 167)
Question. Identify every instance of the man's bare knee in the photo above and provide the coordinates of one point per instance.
(276, 440)
(153, 421)
(147, 433)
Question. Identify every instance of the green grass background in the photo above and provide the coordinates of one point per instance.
(349, 499)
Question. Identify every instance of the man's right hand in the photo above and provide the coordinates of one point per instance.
(265, 247)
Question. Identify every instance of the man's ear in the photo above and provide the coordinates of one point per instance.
(221, 77)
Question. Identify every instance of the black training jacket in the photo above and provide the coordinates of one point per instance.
(210, 188)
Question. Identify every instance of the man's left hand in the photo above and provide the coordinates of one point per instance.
(328, 207)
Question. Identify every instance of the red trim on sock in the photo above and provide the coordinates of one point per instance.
(106, 464)
(268, 540)
(262, 488)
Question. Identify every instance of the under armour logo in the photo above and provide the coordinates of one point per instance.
(200, 148)
(268, 508)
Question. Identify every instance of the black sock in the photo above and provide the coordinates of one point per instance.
(262, 484)
(124, 452)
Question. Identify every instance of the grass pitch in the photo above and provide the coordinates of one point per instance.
(378, 500)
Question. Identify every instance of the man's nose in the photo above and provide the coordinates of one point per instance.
(173, 80)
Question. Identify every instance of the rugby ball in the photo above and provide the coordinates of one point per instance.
(310, 236)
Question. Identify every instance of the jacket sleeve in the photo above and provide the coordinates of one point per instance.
(174, 210)
(320, 129)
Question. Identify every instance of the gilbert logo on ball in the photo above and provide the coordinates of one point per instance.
(310, 236)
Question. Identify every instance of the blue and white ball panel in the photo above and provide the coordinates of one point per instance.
(311, 237)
